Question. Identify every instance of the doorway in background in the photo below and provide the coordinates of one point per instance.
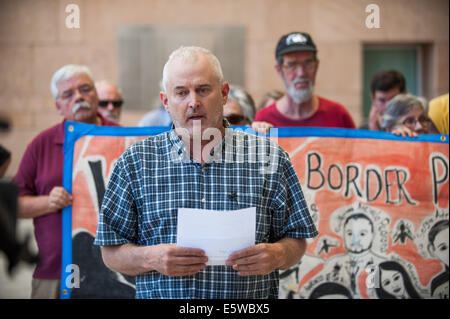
(404, 58)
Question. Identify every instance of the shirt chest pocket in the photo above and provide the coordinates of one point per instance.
(245, 196)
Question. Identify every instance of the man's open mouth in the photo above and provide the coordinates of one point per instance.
(195, 117)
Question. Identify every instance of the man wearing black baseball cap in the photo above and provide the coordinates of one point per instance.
(297, 65)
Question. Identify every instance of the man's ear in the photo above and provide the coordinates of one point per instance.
(164, 100)
(278, 68)
(225, 91)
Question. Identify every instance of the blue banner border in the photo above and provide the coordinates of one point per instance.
(75, 130)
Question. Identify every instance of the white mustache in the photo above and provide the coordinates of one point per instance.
(82, 104)
(296, 81)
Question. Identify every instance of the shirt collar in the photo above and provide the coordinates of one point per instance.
(216, 153)
(225, 122)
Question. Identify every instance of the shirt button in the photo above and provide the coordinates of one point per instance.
(203, 200)
(203, 170)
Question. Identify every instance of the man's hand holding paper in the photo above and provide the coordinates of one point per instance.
(218, 233)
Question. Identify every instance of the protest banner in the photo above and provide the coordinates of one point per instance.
(380, 203)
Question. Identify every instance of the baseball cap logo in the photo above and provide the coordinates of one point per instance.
(296, 38)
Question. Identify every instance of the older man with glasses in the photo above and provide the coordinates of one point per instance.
(40, 174)
(297, 65)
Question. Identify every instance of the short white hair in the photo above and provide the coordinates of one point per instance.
(191, 53)
(65, 73)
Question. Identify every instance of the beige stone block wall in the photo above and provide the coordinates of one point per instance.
(34, 42)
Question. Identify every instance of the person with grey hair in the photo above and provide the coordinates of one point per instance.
(240, 107)
(138, 222)
(40, 174)
(405, 115)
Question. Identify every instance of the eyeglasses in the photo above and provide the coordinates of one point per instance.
(83, 89)
(307, 65)
(412, 122)
(235, 119)
(115, 103)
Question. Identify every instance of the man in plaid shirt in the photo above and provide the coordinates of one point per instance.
(201, 163)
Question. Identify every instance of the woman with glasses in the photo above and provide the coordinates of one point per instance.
(405, 115)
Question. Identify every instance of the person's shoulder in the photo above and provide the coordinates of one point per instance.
(444, 99)
(324, 102)
(158, 117)
(49, 134)
(150, 145)
(267, 141)
(440, 103)
(106, 122)
(265, 112)
(149, 118)
(338, 111)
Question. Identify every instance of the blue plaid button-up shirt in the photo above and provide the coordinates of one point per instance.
(155, 177)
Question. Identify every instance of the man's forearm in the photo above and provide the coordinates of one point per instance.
(294, 249)
(167, 259)
(128, 259)
(33, 206)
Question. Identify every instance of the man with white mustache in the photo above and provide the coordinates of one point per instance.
(40, 174)
(297, 65)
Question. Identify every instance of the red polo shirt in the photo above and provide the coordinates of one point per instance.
(41, 169)
(329, 114)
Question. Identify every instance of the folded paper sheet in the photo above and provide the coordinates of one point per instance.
(218, 233)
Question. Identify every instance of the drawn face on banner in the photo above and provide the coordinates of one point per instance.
(358, 234)
(439, 247)
(392, 282)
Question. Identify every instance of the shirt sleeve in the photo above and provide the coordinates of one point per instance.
(262, 115)
(346, 118)
(291, 215)
(117, 222)
(349, 123)
(26, 174)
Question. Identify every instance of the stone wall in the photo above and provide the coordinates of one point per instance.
(34, 42)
